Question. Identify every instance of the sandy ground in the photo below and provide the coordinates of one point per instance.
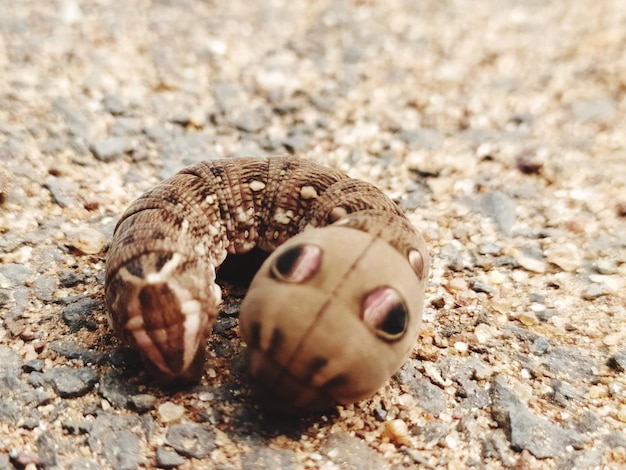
(498, 126)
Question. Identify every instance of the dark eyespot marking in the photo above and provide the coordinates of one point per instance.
(255, 335)
(337, 381)
(385, 313)
(135, 268)
(417, 262)
(275, 342)
(315, 365)
(297, 264)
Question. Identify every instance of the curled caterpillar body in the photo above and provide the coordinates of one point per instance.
(331, 314)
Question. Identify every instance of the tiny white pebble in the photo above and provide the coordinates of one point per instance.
(461, 347)
(169, 412)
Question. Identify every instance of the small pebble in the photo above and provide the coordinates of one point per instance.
(594, 291)
(143, 402)
(566, 256)
(618, 361)
(191, 440)
(483, 333)
(397, 432)
(168, 459)
(87, 240)
(501, 305)
(501, 208)
(613, 338)
(169, 412)
(109, 149)
(528, 318)
(540, 346)
(531, 264)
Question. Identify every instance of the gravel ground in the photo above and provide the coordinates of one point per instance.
(498, 126)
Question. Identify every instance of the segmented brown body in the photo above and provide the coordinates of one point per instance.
(161, 269)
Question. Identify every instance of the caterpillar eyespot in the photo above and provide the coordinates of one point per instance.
(330, 315)
(298, 263)
(385, 313)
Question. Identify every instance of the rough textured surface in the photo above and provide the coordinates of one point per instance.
(437, 103)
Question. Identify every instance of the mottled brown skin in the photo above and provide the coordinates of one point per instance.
(329, 317)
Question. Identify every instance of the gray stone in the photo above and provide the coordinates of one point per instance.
(428, 396)
(122, 450)
(594, 109)
(168, 459)
(296, 142)
(68, 278)
(44, 287)
(587, 421)
(593, 291)
(568, 364)
(496, 446)
(16, 273)
(453, 257)
(501, 208)
(351, 453)
(591, 458)
(117, 389)
(422, 137)
(69, 382)
(432, 432)
(478, 286)
(5, 297)
(115, 438)
(227, 95)
(416, 194)
(34, 365)
(80, 314)
(262, 458)
(73, 350)
(618, 361)
(64, 191)
(82, 463)
(29, 419)
(10, 362)
(462, 371)
(540, 346)
(115, 104)
(77, 122)
(143, 402)
(489, 249)
(250, 122)
(111, 148)
(191, 440)
(565, 394)
(615, 439)
(126, 126)
(525, 430)
(46, 450)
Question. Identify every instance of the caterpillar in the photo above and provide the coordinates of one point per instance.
(332, 312)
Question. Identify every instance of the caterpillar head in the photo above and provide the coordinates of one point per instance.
(330, 316)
